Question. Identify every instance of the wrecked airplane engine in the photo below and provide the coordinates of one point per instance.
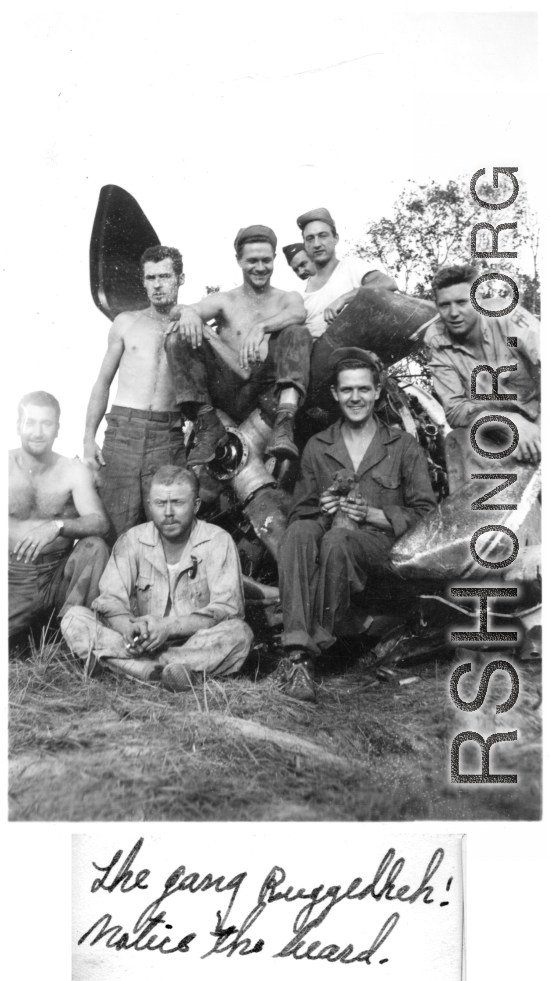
(439, 546)
(250, 496)
(391, 323)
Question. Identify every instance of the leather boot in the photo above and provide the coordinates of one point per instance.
(209, 434)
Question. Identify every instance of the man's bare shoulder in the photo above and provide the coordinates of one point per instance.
(74, 471)
(293, 295)
(123, 321)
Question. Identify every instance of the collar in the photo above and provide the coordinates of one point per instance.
(444, 340)
(201, 532)
(335, 447)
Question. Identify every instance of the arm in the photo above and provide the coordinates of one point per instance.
(92, 519)
(338, 305)
(149, 633)
(419, 498)
(450, 389)
(377, 278)
(116, 587)
(99, 397)
(291, 312)
(227, 353)
(190, 320)
(306, 501)
(374, 277)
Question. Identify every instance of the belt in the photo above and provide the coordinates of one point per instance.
(123, 410)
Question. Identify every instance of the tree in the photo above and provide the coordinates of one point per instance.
(431, 227)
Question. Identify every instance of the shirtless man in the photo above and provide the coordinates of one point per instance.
(144, 430)
(52, 501)
(336, 281)
(298, 260)
(260, 357)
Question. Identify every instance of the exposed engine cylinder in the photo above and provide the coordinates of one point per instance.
(241, 462)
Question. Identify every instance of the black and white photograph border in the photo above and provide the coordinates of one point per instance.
(214, 118)
(266, 135)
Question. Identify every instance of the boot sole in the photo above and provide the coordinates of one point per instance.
(288, 452)
(194, 462)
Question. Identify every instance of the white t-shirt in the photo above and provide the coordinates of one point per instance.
(347, 276)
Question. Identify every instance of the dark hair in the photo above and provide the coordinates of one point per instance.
(156, 253)
(169, 475)
(354, 364)
(250, 241)
(453, 276)
(42, 399)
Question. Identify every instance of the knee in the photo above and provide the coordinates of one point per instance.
(336, 543)
(299, 534)
(93, 549)
(246, 634)
(76, 615)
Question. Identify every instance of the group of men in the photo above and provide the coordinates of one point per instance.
(167, 603)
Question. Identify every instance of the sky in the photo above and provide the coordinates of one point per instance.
(224, 116)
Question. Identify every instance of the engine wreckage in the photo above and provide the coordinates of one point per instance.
(250, 496)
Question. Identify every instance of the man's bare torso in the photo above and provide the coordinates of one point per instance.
(144, 379)
(241, 312)
(37, 495)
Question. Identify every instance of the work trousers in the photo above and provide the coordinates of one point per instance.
(218, 651)
(201, 375)
(136, 444)
(55, 582)
(320, 574)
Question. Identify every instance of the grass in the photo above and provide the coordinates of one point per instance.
(112, 749)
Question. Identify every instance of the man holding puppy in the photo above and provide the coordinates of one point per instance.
(321, 567)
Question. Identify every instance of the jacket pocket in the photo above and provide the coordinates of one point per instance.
(388, 487)
(199, 592)
(144, 593)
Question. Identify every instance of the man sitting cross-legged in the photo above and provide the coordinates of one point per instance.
(322, 567)
(52, 502)
(260, 358)
(171, 600)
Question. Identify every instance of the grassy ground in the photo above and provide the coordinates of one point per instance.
(112, 749)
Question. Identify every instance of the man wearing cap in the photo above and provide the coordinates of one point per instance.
(298, 260)
(336, 281)
(323, 568)
(258, 357)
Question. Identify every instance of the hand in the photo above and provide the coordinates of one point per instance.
(132, 638)
(30, 547)
(357, 509)
(93, 457)
(250, 349)
(189, 324)
(529, 446)
(150, 633)
(329, 502)
(334, 309)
